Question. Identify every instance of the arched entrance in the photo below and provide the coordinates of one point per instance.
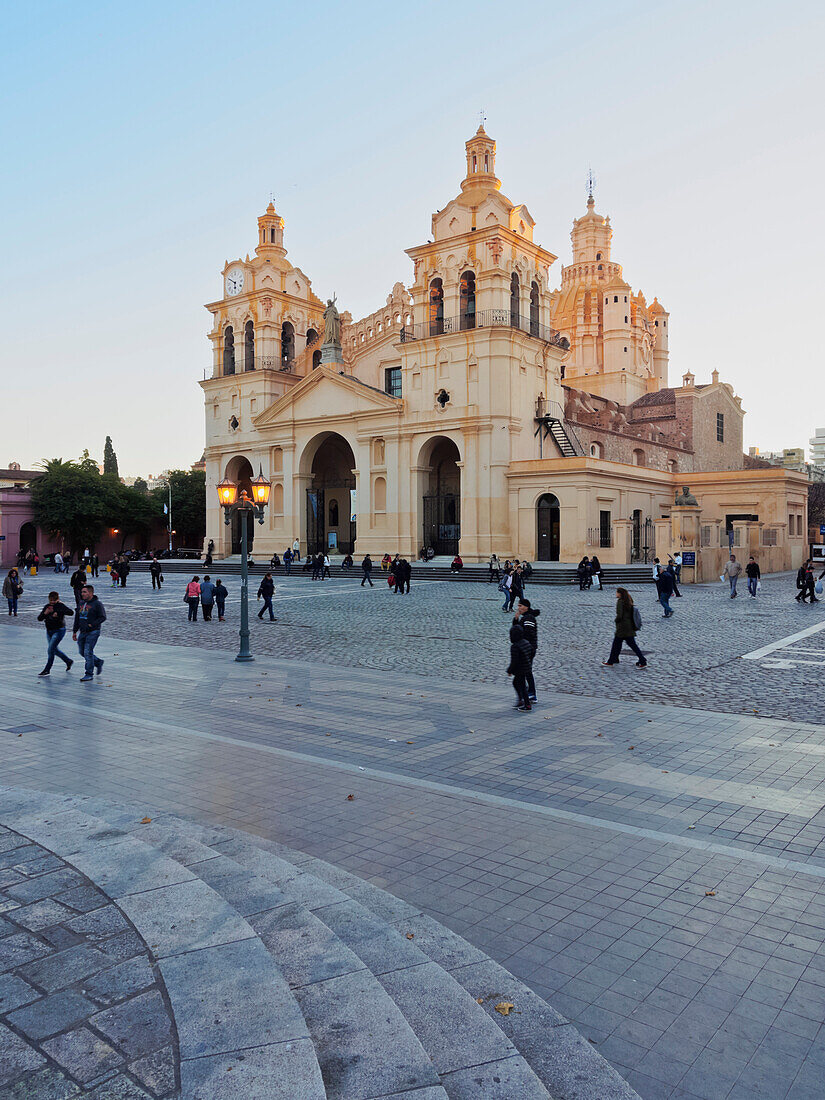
(28, 537)
(547, 514)
(331, 497)
(441, 502)
(239, 470)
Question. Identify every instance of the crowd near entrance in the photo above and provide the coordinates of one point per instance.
(442, 498)
(331, 521)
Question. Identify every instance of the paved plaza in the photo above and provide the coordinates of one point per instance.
(644, 850)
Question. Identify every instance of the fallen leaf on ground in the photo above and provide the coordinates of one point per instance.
(145, 820)
(710, 893)
(410, 936)
(630, 748)
(598, 735)
(480, 1000)
(350, 798)
(504, 1008)
(411, 742)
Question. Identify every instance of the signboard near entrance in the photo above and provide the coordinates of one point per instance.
(689, 559)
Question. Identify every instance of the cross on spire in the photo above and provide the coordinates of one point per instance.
(482, 118)
(591, 183)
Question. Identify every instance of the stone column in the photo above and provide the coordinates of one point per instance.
(622, 536)
(686, 537)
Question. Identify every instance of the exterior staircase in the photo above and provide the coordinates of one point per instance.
(292, 979)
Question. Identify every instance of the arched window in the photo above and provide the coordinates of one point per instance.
(249, 346)
(380, 494)
(598, 255)
(467, 297)
(316, 359)
(534, 309)
(333, 513)
(287, 344)
(272, 235)
(514, 299)
(596, 450)
(277, 499)
(436, 308)
(638, 457)
(312, 336)
(228, 350)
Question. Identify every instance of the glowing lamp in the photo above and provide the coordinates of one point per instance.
(260, 489)
(227, 492)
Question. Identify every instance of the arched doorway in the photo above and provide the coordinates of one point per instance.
(28, 537)
(239, 470)
(441, 502)
(331, 497)
(549, 541)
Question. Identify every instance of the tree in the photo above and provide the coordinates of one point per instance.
(128, 509)
(140, 486)
(816, 503)
(109, 458)
(68, 503)
(188, 505)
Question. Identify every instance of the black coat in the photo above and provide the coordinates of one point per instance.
(530, 628)
(267, 587)
(520, 661)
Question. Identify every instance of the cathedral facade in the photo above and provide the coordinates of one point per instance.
(483, 408)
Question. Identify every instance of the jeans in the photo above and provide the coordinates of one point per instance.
(220, 605)
(53, 640)
(733, 581)
(288, 567)
(531, 683)
(193, 602)
(520, 687)
(665, 602)
(752, 583)
(267, 607)
(86, 644)
(207, 610)
(366, 577)
(12, 605)
(616, 649)
(506, 603)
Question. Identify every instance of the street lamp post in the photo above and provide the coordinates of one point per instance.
(230, 502)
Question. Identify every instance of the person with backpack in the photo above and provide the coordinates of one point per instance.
(664, 586)
(519, 667)
(527, 615)
(752, 570)
(266, 590)
(54, 616)
(287, 561)
(193, 598)
(13, 589)
(220, 598)
(504, 586)
(628, 622)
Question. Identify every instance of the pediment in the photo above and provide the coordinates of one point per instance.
(326, 393)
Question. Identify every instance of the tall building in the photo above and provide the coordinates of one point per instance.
(818, 447)
(483, 408)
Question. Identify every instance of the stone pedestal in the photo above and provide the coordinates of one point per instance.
(686, 538)
(332, 354)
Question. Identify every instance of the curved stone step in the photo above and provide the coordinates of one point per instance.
(446, 989)
(234, 1011)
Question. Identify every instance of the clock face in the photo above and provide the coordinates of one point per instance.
(234, 281)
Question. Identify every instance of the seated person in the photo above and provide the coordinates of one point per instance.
(275, 561)
(456, 564)
(385, 561)
(347, 562)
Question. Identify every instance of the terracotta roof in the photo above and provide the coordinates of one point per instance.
(752, 462)
(666, 396)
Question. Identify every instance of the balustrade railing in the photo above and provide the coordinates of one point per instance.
(485, 318)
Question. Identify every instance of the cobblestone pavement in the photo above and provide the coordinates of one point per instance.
(83, 1012)
(458, 631)
(656, 873)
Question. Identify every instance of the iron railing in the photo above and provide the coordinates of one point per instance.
(485, 318)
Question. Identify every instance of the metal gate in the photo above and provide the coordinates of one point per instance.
(442, 522)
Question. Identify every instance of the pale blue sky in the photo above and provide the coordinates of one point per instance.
(141, 142)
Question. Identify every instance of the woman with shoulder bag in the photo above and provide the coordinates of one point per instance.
(628, 621)
(12, 589)
(193, 598)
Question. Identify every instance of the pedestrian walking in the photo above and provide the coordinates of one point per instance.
(12, 589)
(519, 666)
(123, 569)
(671, 568)
(58, 562)
(806, 583)
(504, 586)
(207, 598)
(628, 622)
(94, 561)
(89, 617)
(366, 571)
(296, 549)
(114, 574)
(407, 567)
(664, 586)
(732, 572)
(657, 568)
(54, 616)
(677, 565)
(266, 590)
(220, 598)
(495, 569)
(516, 587)
(527, 615)
(754, 575)
(193, 598)
(77, 581)
(156, 570)
(287, 561)
(86, 556)
(327, 572)
(596, 571)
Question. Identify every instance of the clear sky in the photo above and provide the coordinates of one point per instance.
(140, 142)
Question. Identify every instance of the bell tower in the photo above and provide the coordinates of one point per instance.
(270, 234)
(481, 163)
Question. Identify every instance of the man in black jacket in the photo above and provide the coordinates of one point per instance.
(54, 616)
(519, 665)
(89, 617)
(527, 620)
(266, 591)
(77, 581)
(157, 574)
(664, 586)
(123, 569)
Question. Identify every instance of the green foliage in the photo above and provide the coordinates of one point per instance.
(816, 503)
(140, 486)
(188, 505)
(109, 458)
(74, 504)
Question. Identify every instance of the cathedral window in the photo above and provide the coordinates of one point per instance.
(615, 297)
(392, 381)
(638, 458)
(249, 346)
(514, 300)
(272, 235)
(598, 257)
(475, 163)
(467, 298)
(720, 427)
(287, 344)
(534, 308)
(316, 359)
(312, 336)
(625, 319)
(595, 450)
(333, 513)
(436, 308)
(228, 350)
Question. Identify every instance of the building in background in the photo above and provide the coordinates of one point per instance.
(817, 445)
(481, 409)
